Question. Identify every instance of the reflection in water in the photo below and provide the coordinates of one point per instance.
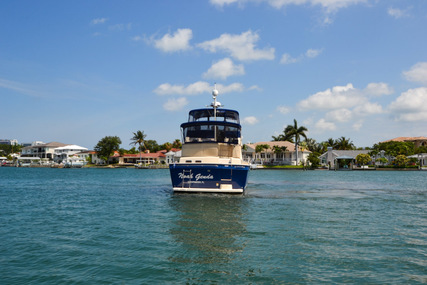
(208, 228)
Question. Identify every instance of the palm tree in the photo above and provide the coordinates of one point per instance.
(344, 144)
(331, 142)
(139, 139)
(177, 144)
(296, 132)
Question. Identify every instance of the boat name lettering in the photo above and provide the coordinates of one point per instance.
(184, 176)
(200, 176)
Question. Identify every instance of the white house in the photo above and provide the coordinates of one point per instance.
(173, 156)
(64, 152)
(332, 157)
(45, 150)
(422, 159)
(277, 153)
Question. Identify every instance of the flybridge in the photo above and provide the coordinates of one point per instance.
(223, 115)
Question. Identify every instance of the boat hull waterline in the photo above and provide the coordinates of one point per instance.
(212, 178)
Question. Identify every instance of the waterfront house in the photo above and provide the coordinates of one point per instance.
(96, 159)
(144, 158)
(41, 150)
(64, 152)
(337, 159)
(173, 156)
(421, 158)
(86, 155)
(277, 153)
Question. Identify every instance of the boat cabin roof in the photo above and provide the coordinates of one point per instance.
(207, 114)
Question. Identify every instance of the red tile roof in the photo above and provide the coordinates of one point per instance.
(145, 155)
(404, 139)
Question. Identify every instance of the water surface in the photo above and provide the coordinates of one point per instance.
(108, 226)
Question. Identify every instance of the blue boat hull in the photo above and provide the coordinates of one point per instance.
(215, 178)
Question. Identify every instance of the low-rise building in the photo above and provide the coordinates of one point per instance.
(277, 153)
(173, 156)
(144, 158)
(64, 152)
(335, 159)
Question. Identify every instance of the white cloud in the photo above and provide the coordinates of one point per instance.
(255, 87)
(368, 108)
(251, 120)
(98, 21)
(344, 106)
(339, 115)
(199, 87)
(234, 87)
(241, 47)
(398, 13)
(378, 89)
(283, 109)
(288, 59)
(175, 104)
(192, 89)
(323, 125)
(417, 73)
(410, 106)
(330, 6)
(221, 3)
(120, 27)
(312, 53)
(335, 98)
(179, 41)
(357, 125)
(137, 38)
(223, 69)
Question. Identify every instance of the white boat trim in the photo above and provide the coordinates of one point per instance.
(208, 190)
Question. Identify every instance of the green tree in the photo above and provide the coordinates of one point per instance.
(177, 144)
(382, 160)
(107, 146)
(363, 158)
(344, 144)
(278, 138)
(401, 160)
(259, 148)
(293, 131)
(314, 160)
(393, 148)
(167, 146)
(331, 142)
(133, 151)
(279, 149)
(312, 145)
(6, 149)
(139, 139)
(152, 146)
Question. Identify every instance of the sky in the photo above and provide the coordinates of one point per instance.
(77, 71)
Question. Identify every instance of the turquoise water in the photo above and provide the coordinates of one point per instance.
(125, 226)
